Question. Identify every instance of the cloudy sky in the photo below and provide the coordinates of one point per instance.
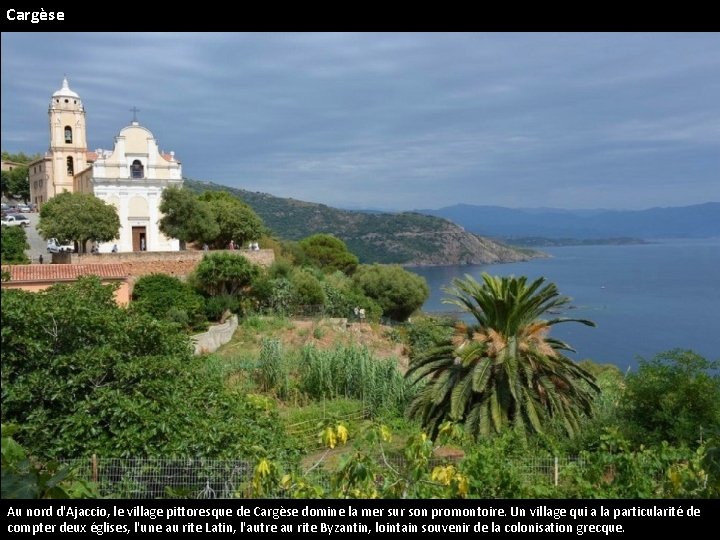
(397, 120)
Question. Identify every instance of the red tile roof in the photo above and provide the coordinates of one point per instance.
(63, 272)
(90, 157)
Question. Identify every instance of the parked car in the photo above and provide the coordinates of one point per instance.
(16, 220)
(24, 208)
(53, 246)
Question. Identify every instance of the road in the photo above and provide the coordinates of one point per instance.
(38, 246)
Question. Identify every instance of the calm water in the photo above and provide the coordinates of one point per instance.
(644, 299)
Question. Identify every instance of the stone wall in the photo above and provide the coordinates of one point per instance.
(211, 340)
(174, 263)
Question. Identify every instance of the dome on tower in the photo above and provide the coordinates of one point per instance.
(65, 91)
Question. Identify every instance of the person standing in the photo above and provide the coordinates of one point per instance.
(40, 258)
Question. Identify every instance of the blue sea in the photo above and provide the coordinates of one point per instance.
(645, 299)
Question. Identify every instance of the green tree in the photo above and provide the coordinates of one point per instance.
(20, 157)
(166, 297)
(235, 219)
(186, 217)
(398, 292)
(329, 253)
(673, 397)
(225, 273)
(78, 217)
(504, 371)
(13, 245)
(81, 375)
(15, 183)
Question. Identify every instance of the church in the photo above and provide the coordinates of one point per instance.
(131, 176)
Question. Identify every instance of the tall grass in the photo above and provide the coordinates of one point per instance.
(223, 367)
(353, 372)
(272, 368)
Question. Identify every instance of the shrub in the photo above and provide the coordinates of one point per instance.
(225, 273)
(13, 245)
(426, 333)
(306, 289)
(674, 397)
(398, 292)
(166, 297)
(217, 306)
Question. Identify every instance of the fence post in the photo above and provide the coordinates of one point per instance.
(557, 471)
(94, 468)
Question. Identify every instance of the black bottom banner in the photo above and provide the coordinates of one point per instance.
(329, 517)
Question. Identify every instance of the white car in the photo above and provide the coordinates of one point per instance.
(16, 220)
(53, 246)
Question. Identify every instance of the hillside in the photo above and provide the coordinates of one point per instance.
(403, 238)
(696, 221)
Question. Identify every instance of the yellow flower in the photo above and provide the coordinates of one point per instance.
(342, 433)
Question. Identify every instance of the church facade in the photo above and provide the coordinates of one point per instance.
(131, 176)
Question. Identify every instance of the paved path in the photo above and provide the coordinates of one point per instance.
(38, 246)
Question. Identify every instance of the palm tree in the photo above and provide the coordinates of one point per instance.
(504, 371)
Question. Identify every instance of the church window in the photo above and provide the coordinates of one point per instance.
(70, 166)
(137, 169)
(68, 134)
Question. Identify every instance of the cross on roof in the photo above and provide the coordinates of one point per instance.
(135, 110)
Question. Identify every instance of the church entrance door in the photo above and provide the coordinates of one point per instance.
(139, 239)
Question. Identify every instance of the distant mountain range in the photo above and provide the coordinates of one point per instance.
(696, 221)
(404, 238)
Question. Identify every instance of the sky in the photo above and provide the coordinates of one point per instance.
(396, 121)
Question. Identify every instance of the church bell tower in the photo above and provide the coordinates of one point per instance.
(68, 140)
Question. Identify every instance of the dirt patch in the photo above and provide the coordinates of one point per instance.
(331, 333)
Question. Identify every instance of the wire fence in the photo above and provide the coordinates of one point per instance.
(150, 478)
(307, 431)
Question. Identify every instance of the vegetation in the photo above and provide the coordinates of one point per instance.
(13, 245)
(235, 219)
(167, 298)
(225, 274)
(306, 290)
(26, 478)
(374, 237)
(398, 292)
(492, 468)
(187, 218)
(20, 157)
(214, 218)
(328, 253)
(15, 184)
(674, 397)
(353, 372)
(78, 217)
(504, 371)
(81, 375)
